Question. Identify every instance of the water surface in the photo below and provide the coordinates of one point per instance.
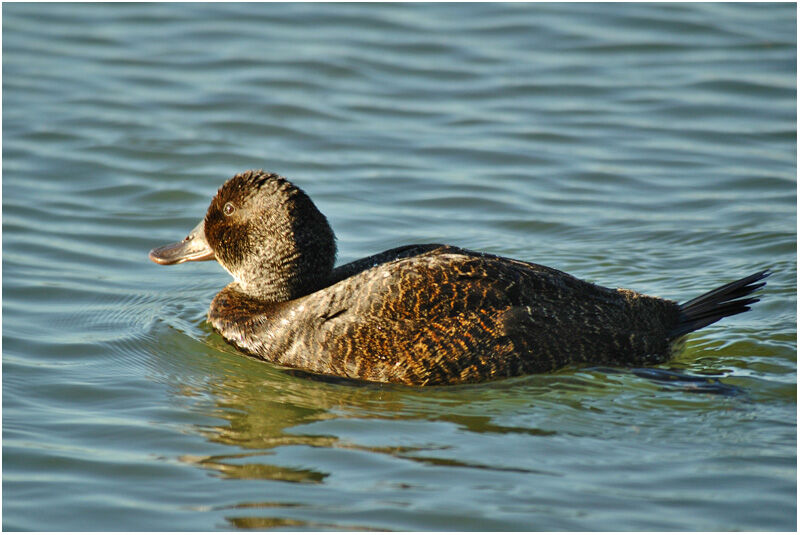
(645, 146)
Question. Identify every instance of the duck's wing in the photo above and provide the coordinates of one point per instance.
(450, 316)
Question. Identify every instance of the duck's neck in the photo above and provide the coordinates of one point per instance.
(283, 270)
(275, 287)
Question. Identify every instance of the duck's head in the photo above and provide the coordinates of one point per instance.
(266, 233)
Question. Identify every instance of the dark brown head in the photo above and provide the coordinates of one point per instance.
(266, 233)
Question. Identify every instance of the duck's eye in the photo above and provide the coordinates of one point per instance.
(228, 209)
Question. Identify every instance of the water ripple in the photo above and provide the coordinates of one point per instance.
(641, 145)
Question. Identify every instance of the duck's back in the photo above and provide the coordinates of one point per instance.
(433, 314)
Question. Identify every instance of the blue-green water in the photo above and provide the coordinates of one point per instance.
(645, 146)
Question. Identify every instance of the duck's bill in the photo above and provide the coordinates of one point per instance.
(193, 248)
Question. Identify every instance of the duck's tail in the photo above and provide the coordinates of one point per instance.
(725, 301)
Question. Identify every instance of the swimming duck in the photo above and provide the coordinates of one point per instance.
(421, 314)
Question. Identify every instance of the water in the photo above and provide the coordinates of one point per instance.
(645, 146)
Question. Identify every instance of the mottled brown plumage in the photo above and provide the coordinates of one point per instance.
(420, 314)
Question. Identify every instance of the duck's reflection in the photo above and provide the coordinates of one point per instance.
(271, 416)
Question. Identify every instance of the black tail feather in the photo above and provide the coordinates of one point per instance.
(719, 303)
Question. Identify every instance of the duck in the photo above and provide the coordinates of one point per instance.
(417, 315)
